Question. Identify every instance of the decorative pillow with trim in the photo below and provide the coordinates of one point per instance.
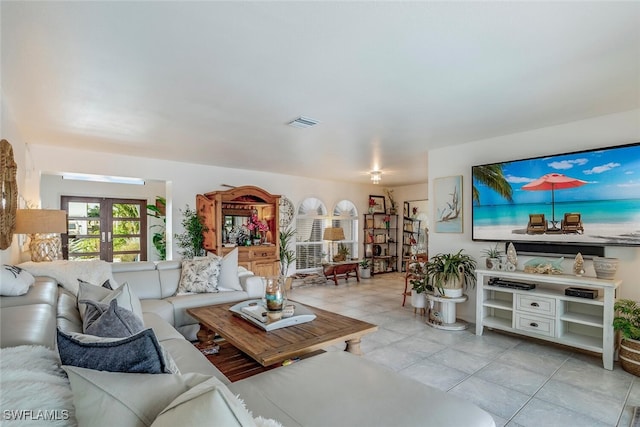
(139, 353)
(200, 275)
(15, 281)
(123, 294)
(110, 320)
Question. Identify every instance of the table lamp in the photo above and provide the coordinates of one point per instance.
(43, 227)
(333, 234)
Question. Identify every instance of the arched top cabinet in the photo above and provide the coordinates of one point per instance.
(226, 212)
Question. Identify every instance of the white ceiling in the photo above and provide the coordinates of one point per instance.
(216, 82)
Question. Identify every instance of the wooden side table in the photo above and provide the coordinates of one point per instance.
(446, 318)
(335, 270)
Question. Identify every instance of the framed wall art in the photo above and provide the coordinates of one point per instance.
(448, 204)
(379, 204)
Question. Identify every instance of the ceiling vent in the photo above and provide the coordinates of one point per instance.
(303, 122)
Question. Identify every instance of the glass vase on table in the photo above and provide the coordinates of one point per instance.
(274, 296)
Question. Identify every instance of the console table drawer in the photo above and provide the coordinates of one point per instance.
(539, 325)
(262, 253)
(536, 304)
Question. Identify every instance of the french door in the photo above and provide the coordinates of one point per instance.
(105, 228)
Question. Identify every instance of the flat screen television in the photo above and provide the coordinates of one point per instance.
(587, 198)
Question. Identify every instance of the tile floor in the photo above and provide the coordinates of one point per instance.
(521, 382)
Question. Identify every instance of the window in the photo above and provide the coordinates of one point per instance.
(310, 223)
(106, 229)
(345, 215)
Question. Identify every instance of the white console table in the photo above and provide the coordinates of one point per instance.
(547, 313)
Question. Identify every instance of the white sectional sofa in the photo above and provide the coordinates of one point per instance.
(334, 388)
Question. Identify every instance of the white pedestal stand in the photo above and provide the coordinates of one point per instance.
(447, 319)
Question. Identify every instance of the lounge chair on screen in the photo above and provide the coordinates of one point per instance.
(537, 224)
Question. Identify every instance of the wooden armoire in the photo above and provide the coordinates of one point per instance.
(220, 209)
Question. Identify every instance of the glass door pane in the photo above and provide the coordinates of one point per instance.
(84, 229)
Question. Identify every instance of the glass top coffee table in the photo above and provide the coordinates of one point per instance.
(268, 348)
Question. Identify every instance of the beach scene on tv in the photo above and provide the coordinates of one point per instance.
(591, 197)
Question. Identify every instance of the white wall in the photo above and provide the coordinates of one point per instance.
(185, 180)
(614, 129)
(53, 186)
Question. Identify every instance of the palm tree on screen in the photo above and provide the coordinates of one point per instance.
(493, 177)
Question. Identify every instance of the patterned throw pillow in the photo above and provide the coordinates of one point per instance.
(15, 281)
(109, 320)
(200, 275)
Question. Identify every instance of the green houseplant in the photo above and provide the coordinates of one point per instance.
(159, 238)
(419, 281)
(450, 273)
(190, 241)
(343, 253)
(493, 255)
(627, 321)
(287, 256)
(365, 268)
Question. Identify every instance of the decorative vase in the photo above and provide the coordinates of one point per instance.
(274, 293)
(452, 292)
(512, 256)
(418, 300)
(371, 210)
(578, 265)
(605, 267)
(492, 263)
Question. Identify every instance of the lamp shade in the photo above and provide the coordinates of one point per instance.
(33, 221)
(333, 233)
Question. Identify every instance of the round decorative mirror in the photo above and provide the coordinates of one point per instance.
(9, 188)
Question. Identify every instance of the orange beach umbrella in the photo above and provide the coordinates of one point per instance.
(553, 181)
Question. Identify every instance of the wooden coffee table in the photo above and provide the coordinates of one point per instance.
(268, 348)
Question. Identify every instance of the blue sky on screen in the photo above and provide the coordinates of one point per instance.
(611, 174)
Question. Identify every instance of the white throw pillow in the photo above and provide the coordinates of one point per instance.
(118, 399)
(15, 281)
(228, 279)
(200, 275)
(207, 404)
(109, 399)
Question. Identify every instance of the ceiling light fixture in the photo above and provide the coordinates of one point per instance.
(375, 176)
(303, 122)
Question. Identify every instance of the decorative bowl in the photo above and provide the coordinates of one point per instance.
(605, 267)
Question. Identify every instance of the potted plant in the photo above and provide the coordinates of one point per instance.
(191, 239)
(159, 238)
(365, 268)
(419, 284)
(287, 256)
(627, 321)
(343, 253)
(493, 255)
(450, 273)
